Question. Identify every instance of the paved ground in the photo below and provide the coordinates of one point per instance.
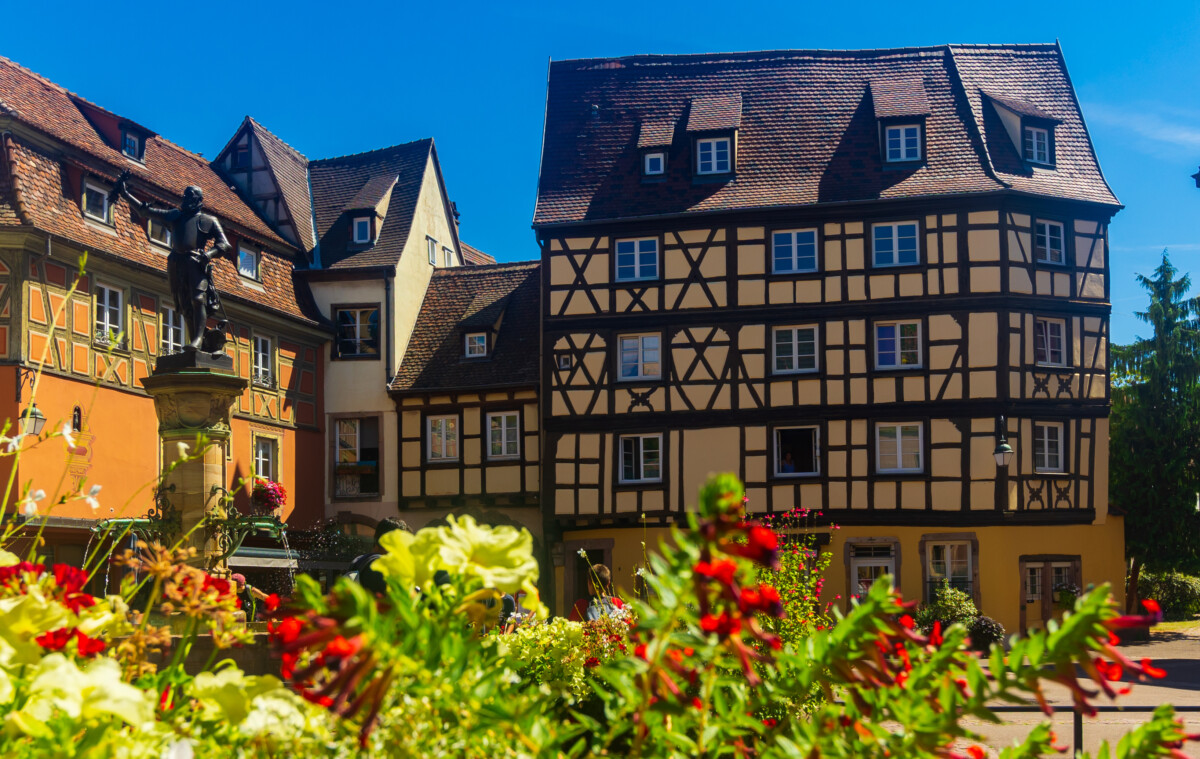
(1176, 650)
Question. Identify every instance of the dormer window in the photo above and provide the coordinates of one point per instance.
(247, 262)
(713, 155)
(95, 203)
(1037, 145)
(362, 230)
(132, 145)
(902, 143)
(476, 345)
(160, 233)
(654, 164)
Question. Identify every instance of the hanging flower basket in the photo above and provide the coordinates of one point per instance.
(268, 496)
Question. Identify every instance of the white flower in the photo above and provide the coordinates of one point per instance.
(29, 504)
(12, 444)
(180, 749)
(583, 553)
(183, 449)
(91, 498)
(68, 436)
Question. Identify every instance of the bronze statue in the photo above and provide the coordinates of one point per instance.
(189, 265)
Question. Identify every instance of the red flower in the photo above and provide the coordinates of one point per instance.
(88, 647)
(975, 752)
(341, 647)
(770, 722)
(906, 622)
(271, 602)
(1151, 606)
(1152, 671)
(721, 570)
(762, 545)
(723, 625)
(288, 630)
(55, 640)
(935, 637)
(696, 702)
(592, 662)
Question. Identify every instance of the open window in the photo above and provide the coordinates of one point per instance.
(797, 451)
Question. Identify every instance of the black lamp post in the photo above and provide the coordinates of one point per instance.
(1004, 451)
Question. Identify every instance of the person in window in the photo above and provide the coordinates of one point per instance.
(360, 568)
(600, 601)
(786, 464)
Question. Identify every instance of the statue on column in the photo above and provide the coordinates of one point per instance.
(189, 264)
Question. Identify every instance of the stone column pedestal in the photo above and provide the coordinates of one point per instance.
(194, 408)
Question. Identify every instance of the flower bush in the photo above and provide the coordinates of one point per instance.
(1177, 593)
(268, 495)
(703, 668)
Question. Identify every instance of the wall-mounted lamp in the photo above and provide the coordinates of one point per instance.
(32, 421)
(1004, 451)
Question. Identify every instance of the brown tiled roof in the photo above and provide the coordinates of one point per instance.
(169, 168)
(1020, 108)
(372, 192)
(290, 168)
(474, 298)
(1034, 75)
(808, 132)
(899, 97)
(655, 134)
(48, 185)
(337, 184)
(473, 256)
(712, 113)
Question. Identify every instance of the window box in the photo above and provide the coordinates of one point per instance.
(637, 260)
(641, 459)
(794, 251)
(895, 244)
(1049, 451)
(639, 357)
(899, 448)
(898, 345)
(794, 349)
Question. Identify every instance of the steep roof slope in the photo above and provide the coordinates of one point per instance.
(475, 298)
(290, 169)
(473, 256)
(807, 129)
(338, 182)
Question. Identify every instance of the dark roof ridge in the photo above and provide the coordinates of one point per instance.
(485, 268)
(758, 55)
(367, 153)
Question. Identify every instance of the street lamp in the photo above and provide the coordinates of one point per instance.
(32, 421)
(1004, 451)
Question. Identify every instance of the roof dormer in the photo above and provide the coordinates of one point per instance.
(1030, 128)
(901, 108)
(712, 127)
(654, 145)
(366, 211)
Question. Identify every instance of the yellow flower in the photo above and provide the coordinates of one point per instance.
(502, 557)
(398, 562)
(7, 558)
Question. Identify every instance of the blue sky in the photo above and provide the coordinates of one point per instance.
(335, 79)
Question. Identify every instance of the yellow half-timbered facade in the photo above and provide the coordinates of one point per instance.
(852, 311)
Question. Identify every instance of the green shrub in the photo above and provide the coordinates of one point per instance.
(984, 632)
(948, 606)
(1178, 594)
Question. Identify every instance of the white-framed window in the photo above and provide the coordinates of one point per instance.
(362, 230)
(1049, 341)
(640, 357)
(264, 365)
(637, 259)
(443, 438)
(1033, 583)
(1048, 242)
(476, 345)
(1061, 573)
(898, 447)
(1037, 145)
(431, 247)
(903, 142)
(654, 164)
(713, 155)
(110, 313)
(797, 451)
(159, 233)
(641, 458)
(794, 250)
(356, 471)
(358, 331)
(248, 262)
(1048, 453)
(448, 257)
(794, 349)
(131, 145)
(868, 563)
(895, 244)
(172, 331)
(950, 561)
(266, 455)
(504, 435)
(564, 362)
(898, 345)
(95, 203)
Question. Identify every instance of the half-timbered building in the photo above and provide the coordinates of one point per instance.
(849, 277)
(467, 396)
(82, 352)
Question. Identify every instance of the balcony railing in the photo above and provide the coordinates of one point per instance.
(263, 379)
